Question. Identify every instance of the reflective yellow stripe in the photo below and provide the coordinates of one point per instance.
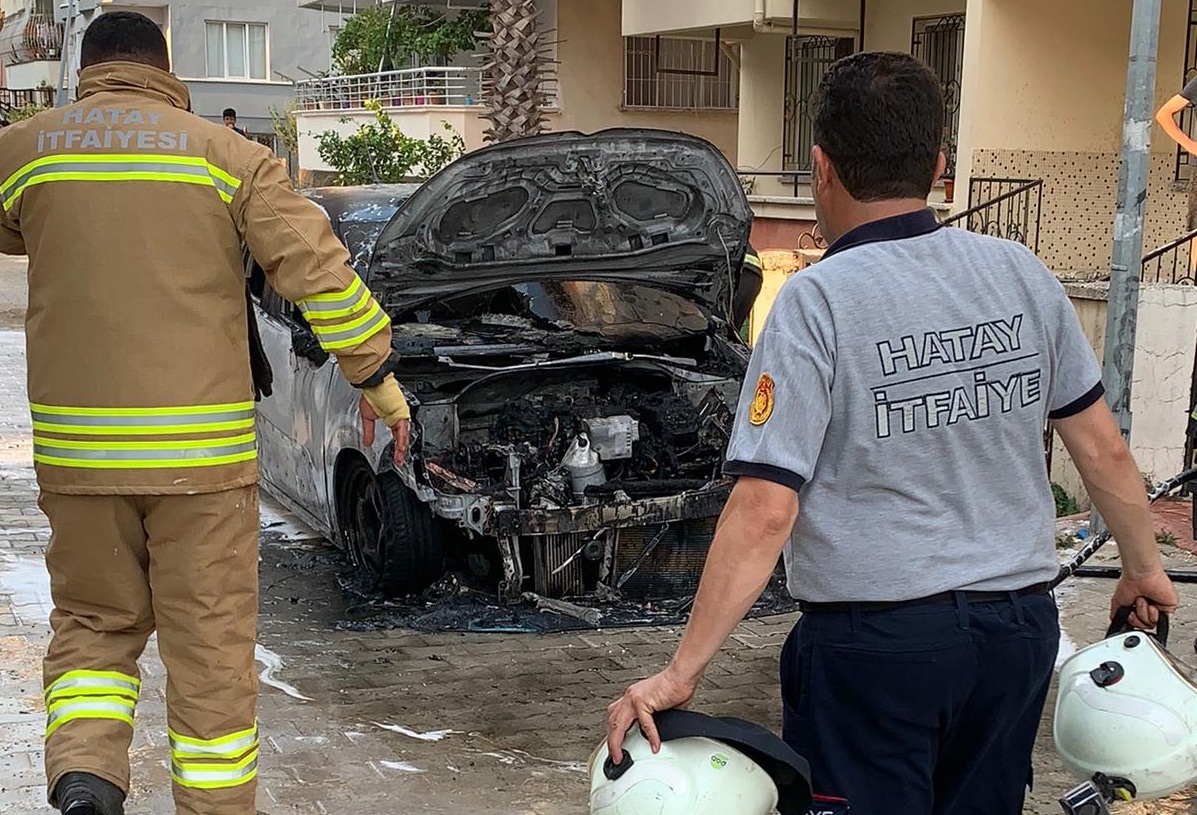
(118, 167)
(203, 411)
(333, 329)
(336, 304)
(143, 421)
(106, 454)
(753, 260)
(347, 335)
(232, 746)
(114, 708)
(93, 683)
(215, 776)
(118, 445)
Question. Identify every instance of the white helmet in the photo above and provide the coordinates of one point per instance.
(1128, 711)
(705, 767)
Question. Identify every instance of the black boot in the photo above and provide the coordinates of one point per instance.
(87, 794)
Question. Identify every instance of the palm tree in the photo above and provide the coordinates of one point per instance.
(516, 68)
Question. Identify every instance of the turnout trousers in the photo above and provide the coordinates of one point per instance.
(121, 567)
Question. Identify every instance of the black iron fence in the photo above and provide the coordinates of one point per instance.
(1171, 263)
(1009, 208)
(11, 100)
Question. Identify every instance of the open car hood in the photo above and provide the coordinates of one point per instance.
(648, 206)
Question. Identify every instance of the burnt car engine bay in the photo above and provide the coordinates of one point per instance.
(519, 416)
(574, 437)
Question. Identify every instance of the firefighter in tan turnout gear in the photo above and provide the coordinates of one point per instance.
(133, 213)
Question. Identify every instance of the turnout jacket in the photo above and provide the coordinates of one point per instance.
(134, 214)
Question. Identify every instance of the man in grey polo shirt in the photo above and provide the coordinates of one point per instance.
(899, 392)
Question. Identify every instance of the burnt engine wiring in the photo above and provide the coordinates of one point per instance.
(641, 443)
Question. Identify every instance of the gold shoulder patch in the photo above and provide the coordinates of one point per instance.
(762, 401)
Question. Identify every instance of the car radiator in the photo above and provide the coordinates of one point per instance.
(670, 571)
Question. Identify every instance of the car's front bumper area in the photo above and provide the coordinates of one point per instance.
(651, 548)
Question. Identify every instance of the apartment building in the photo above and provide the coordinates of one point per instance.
(243, 54)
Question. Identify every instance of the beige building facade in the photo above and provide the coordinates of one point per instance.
(1035, 95)
(602, 80)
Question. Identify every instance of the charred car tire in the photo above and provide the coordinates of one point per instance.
(391, 532)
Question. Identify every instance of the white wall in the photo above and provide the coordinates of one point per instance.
(417, 122)
(31, 75)
(1164, 358)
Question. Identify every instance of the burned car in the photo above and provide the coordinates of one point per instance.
(558, 304)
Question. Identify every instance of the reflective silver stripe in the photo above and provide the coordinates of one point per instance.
(339, 301)
(106, 708)
(212, 776)
(81, 685)
(53, 448)
(331, 340)
(182, 747)
(141, 421)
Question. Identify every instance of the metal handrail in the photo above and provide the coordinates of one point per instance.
(1018, 219)
(1178, 248)
(1026, 187)
(1168, 247)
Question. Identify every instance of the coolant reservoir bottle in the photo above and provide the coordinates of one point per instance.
(584, 466)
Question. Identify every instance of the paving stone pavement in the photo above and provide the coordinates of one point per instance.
(358, 723)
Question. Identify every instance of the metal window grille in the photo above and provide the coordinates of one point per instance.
(1188, 122)
(939, 42)
(671, 72)
(807, 59)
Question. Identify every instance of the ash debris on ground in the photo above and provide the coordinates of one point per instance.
(453, 604)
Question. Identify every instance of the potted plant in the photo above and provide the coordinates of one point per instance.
(949, 189)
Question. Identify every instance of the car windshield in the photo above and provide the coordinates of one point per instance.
(619, 311)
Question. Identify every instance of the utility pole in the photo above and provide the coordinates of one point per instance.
(1126, 267)
(70, 46)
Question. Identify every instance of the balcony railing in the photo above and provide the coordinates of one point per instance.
(1010, 208)
(39, 40)
(1172, 263)
(409, 88)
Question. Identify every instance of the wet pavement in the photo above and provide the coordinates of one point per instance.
(359, 722)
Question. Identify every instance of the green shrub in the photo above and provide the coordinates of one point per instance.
(1065, 503)
(380, 153)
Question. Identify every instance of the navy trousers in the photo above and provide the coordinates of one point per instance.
(925, 709)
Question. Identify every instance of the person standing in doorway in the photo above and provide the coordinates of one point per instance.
(133, 213)
(897, 396)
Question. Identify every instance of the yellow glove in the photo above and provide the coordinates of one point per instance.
(388, 401)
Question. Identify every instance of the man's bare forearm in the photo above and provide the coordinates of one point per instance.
(1114, 484)
(754, 527)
